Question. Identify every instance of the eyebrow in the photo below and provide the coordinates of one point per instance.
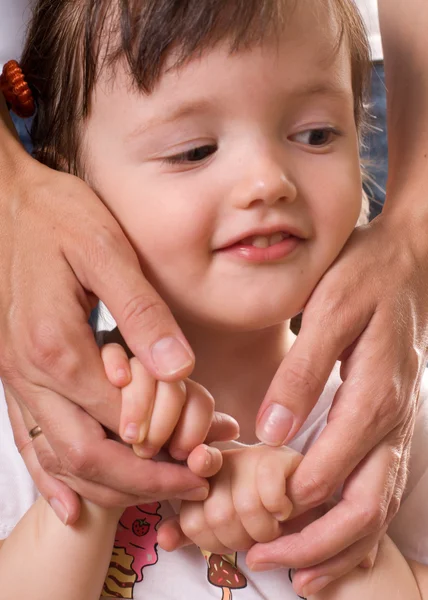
(203, 105)
(322, 89)
(183, 111)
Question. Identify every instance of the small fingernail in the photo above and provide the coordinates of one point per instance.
(59, 509)
(263, 566)
(131, 433)
(122, 375)
(179, 454)
(170, 356)
(145, 451)
(196, 495)
(316, 585)
(275, 424)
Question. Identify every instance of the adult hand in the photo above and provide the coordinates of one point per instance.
(371, 311)
(60, 248)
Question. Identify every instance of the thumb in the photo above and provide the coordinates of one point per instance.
(302, 376)
(170, 536)
(110, 269)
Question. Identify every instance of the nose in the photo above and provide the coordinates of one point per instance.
(263, 181)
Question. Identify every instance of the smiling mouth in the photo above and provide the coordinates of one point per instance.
(264, 241)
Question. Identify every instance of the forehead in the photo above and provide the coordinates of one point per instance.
(306, 56)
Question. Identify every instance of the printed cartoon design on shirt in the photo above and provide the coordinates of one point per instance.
(135, 547)
(223, 573)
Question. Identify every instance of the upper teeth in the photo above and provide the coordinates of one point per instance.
(264, 241)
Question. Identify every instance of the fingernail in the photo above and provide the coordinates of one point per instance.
(283, 516)
(316, 585)
(263, 566)
(145, 451)
(131, 433)
(275, 424)
(170, 356)
(122, 375)
(196, 495)
(179, 454)
(59, 509)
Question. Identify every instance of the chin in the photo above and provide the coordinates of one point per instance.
(232, 318)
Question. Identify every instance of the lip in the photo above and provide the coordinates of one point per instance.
(264, 231)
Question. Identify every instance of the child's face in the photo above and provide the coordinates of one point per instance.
(227, 148)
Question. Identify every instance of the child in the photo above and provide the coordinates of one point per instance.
(224, 137)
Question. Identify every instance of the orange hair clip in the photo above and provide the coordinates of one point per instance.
(16, 90)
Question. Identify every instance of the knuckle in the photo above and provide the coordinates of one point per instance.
(49, 353)
(49, 461)
(313, 492)
(103, 243)
(79, 462)
(219, 517)
(299, 379)
(373, 516)
(144, 309)
(247, 507)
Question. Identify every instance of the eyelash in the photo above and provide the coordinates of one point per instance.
(330, 131)
(190, 156)
(186, 157)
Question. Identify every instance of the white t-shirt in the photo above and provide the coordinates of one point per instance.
(14, 16)
(141, 570)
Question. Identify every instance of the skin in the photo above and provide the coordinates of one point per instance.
(371, 283)
(301, 142)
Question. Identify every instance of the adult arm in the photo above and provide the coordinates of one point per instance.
(60, 248)
(371, 311)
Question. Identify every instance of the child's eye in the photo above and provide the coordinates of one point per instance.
(192, 156)
(316, 137)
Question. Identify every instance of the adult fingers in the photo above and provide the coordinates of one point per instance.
(364, 510)
(63, 500)
(89, 456)
(307, 582)
(304, 371)
(144, 320)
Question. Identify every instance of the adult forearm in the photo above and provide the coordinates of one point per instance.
(404, 25)
(45, 560)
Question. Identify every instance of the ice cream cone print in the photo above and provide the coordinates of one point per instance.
(223, 573)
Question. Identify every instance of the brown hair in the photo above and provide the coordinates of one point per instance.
(70, 42)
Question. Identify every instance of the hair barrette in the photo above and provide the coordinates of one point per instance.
(16, 90)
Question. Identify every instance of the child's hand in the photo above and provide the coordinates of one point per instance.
(154, 412)
(247, 500)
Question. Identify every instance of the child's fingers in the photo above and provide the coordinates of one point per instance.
(170, 536)
(116, 365)
(221, 515)
(205, 461)
(194, 527)
(137, 404)
(271, 485)
(168, 405)
(258, 522)
(194, 423)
